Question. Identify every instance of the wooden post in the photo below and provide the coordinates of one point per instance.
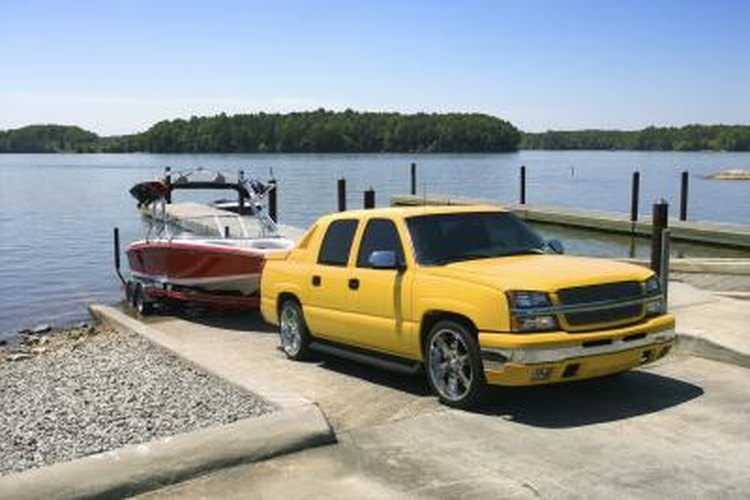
(168, 181)
(369, 201)
(684, 196)
(659, 223)
(413, 178)
(634, 195)
(341, 188)
(273, 201)
(523, 184)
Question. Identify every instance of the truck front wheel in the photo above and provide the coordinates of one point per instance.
(453, 365)
(293, 333)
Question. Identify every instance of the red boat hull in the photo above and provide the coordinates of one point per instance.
(199, 265)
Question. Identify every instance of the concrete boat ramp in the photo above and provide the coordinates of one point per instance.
(674, 429)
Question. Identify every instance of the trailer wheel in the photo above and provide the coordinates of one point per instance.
(129, 293)
(141, 301)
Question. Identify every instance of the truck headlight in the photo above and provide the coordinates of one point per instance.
(529, 300)
(654, 298)
(655, 307)
(652, 286)
(530, 312)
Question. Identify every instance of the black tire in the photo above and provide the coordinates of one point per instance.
(129, 293)
(294, 336)
(453, 366)
(141, 301)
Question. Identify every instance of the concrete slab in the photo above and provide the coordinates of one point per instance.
(137, 468)
(673, 430)
(244, 350)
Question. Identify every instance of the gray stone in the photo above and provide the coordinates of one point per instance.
(18, 356)
(43, 328)
(114, 389)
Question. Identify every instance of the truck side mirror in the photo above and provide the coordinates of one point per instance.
(556, 246)
(383, 259)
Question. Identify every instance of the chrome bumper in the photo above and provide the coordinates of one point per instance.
(494, 358)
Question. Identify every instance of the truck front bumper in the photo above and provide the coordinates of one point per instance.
(532, 359)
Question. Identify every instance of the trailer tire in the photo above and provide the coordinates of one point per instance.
(141, 301)
(130, 293)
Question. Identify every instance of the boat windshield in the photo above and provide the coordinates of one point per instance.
(440, 239)
(215, 226)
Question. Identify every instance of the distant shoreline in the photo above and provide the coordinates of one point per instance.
(352, 132)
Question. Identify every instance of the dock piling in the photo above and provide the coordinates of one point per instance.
(413, 178)
(684, 196)
(523, 184)
(634, 195)
(659, 224)
(369, 198)
(273, 211)
(341, 189)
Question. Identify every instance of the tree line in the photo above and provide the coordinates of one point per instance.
(306, 132)
(688, 138)
(324, 131)
(47, 139)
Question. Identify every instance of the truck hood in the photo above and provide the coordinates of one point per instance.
(540, 272)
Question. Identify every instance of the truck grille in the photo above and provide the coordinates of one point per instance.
(623, 290)
(615, 315)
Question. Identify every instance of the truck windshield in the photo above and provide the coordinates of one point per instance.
(443, 238)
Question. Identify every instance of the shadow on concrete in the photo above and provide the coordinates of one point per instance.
(589, 402)
(240, 321)
(416, 385)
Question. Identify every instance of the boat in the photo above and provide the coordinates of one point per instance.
(197, 252)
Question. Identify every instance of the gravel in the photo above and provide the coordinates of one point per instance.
(86, 390)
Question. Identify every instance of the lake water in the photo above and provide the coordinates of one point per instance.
(57, 211)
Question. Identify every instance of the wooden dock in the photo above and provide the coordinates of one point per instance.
(733, 235)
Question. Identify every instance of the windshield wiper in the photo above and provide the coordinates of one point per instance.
(462, 257)
(524, 251)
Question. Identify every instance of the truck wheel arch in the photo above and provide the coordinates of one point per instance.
(284, 296)
(430, 318)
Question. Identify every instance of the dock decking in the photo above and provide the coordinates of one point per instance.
(734, 235)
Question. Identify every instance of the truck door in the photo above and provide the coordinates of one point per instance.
(380, 299)
(326, 308)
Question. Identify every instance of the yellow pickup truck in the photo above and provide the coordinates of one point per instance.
(471, 294)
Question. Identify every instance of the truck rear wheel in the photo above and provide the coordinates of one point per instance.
(293, 332)
(453, 365)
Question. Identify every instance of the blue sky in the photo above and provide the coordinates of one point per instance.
(118, 67)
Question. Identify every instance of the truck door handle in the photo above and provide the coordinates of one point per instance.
(354, 284)
(316, 281)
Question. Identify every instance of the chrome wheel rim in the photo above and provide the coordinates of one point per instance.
(449, 365)
(290, 330)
